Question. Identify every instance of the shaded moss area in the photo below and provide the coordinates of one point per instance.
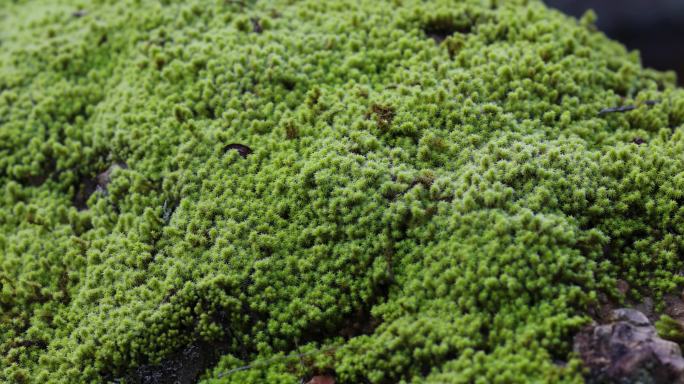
(389, 190)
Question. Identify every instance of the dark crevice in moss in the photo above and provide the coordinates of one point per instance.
(187, 365)
(256, 25)
(48, 170)
(440, 27)
(288, 83)
(169, 208)
(86, 188)
(183, 367)
(242, 149)
(383, 114)
(89, 185)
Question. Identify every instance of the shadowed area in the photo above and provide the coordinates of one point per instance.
(654, 27)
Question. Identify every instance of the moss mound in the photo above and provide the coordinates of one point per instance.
(387, 190)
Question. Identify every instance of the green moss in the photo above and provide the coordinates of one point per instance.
(670, 329)
(431, 188)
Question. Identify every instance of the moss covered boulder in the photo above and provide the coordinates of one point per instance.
(242, 191)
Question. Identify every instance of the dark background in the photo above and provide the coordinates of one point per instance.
(654, 27)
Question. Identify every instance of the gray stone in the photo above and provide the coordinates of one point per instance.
(628, 350)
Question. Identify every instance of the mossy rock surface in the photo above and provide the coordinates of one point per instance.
(418, 191)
